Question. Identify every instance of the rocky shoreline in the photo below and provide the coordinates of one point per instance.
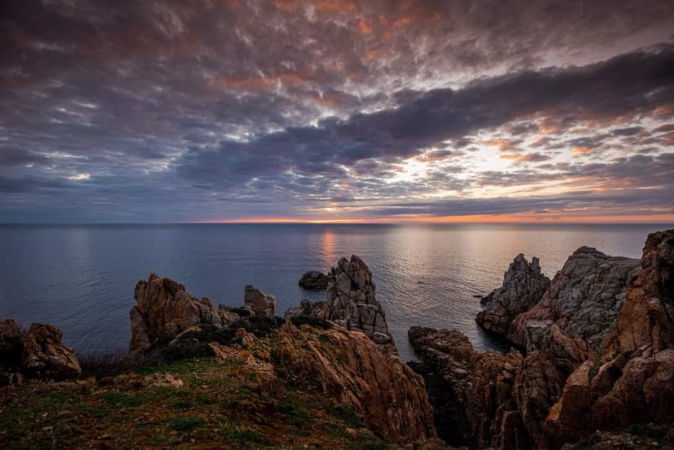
(592, 357)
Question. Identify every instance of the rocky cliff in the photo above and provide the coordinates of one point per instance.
(634, 381)
(598, 354)
(351, 302)
(583, 299)
(523, 287)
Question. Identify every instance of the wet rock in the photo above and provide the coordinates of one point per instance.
(314, 280)
(523, 287)
(262, 305)
(45, 357)
(164, 309)
(349, 367)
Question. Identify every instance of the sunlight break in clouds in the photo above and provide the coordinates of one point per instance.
(314, 111)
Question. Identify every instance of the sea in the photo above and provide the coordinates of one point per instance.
(81, 278)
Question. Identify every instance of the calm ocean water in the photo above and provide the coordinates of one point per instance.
(81, 278)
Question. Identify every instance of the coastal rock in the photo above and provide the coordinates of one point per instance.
(347, 366)
(45, 357)
(486, 399)
(583, 300)
(523, 287)
(647, 317)
(306, 308)
(164, 309)
(634, 384)
(472, 393)
(314, 280)
(262, 305)
(351, 302)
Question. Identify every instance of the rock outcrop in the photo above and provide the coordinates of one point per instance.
(647, 316)
(583, 300)
(472, 392)
(164, 309)
(262, 305)
(634, 383)
(45, 357)
(352, 303)
(37, 353)
(314, 280)
(349, 367)
(523, 287)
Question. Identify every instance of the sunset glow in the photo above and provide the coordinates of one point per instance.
(315, 111)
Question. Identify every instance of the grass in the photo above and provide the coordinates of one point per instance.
(219, 404)
(185, 424)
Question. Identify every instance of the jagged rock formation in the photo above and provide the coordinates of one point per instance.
(314, 280)
(634, 383)
(352, 303)
(349, 367)
(37, 353)
(523, 287)
(44, 356)
(165, 309)
(583, 299)
(647, 317)
(486, 399)
(262, 305)
(471, 392)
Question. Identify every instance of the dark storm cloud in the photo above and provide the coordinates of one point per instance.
(632, 84)
(289, 105)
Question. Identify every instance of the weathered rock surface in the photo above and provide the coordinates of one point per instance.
(262, 305)
(349, 367)
(647, 317)
(45, 357)
(486, 399)
(523, 287)
(635, 384)
(472, 392)
(164, 309)
(314, 280)
(583, 300)
(352, 303)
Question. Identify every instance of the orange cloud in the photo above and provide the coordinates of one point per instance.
(364, 26)
(503, 145)
(581, 150)
(286, 5)
(241, 84)
(338, 6)
(530, 157)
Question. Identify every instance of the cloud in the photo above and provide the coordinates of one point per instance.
(277, 108)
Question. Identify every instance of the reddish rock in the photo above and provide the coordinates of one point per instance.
(647, 318)
(350, 368)
(45, 357)
(164, 309)
(634, 386)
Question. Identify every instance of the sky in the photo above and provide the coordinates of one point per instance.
(336, 111)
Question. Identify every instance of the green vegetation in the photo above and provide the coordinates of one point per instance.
(220, 404)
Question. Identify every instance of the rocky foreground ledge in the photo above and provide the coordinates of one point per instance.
(197, 375)
(592, 362)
